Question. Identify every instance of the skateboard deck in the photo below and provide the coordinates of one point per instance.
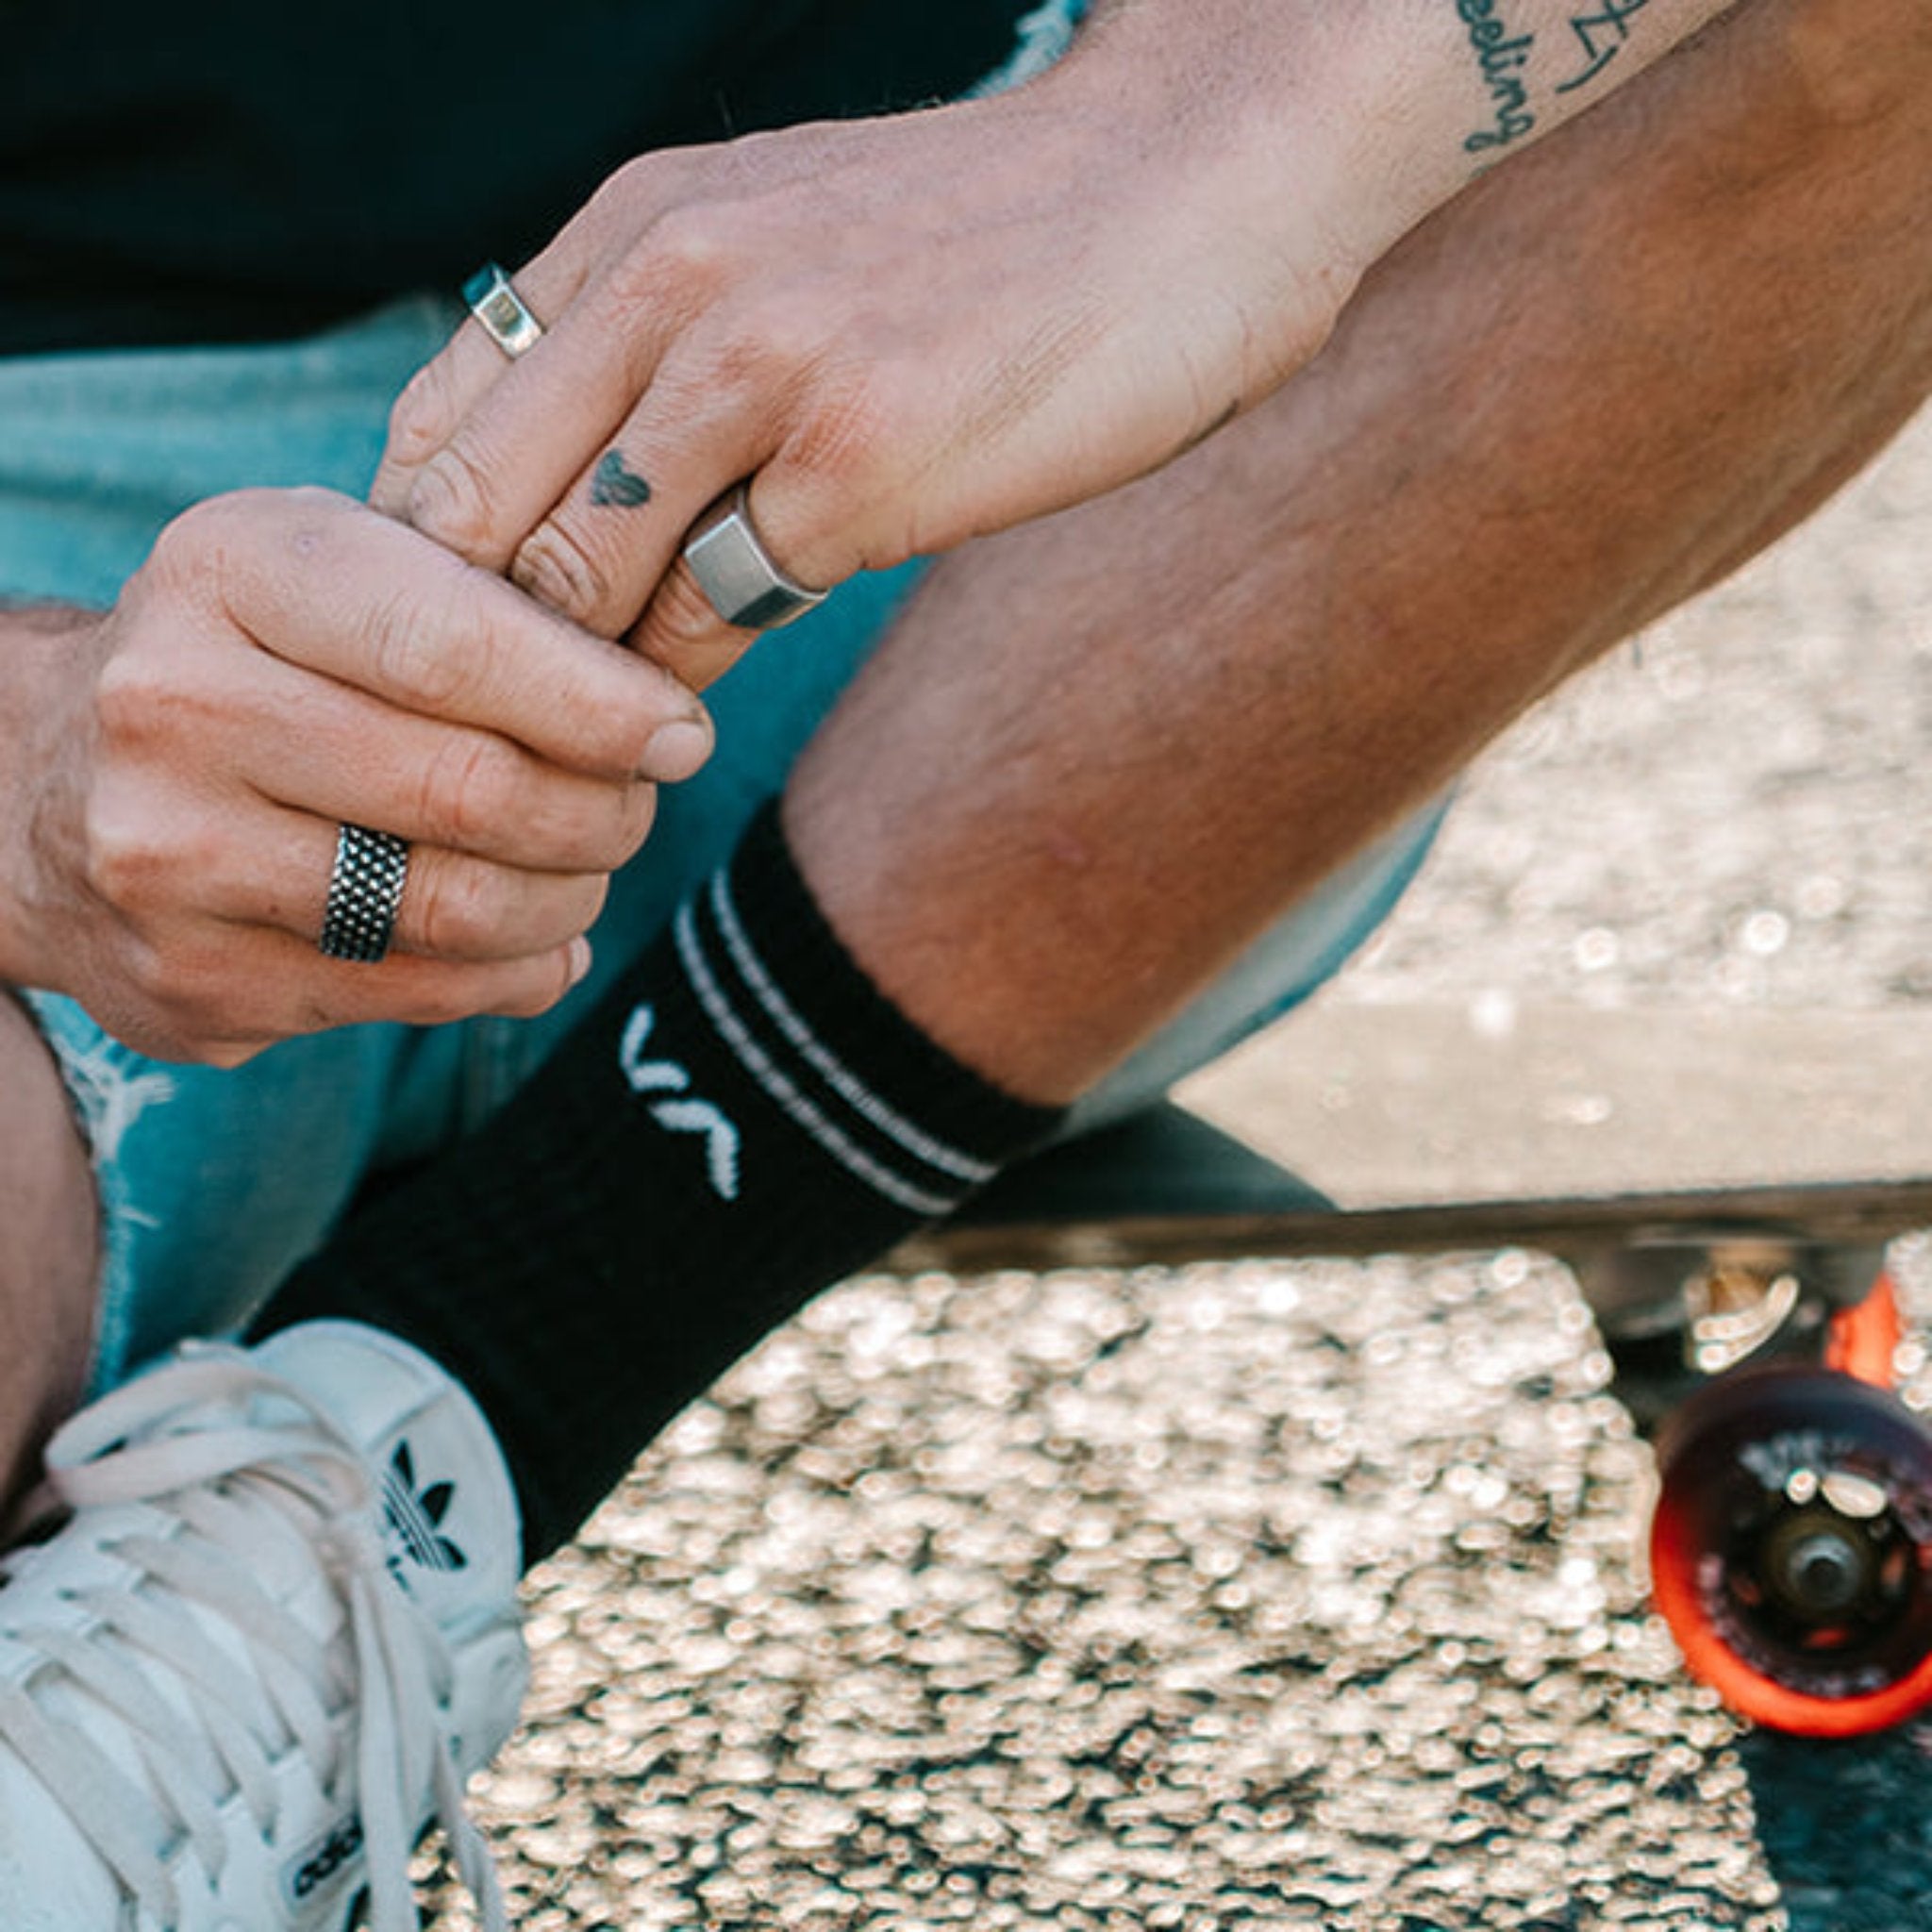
(1166, 1187)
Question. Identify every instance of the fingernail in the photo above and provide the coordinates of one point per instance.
(677, 750)
(579, 959)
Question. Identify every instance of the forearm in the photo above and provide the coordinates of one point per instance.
(1599, 380)
(33, 639)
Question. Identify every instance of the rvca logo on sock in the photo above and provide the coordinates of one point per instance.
(722, 1137)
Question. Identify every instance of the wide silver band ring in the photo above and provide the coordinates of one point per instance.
(735, 571)
(505, 315)
(365, 893)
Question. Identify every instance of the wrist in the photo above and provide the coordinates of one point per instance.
(1221, 133)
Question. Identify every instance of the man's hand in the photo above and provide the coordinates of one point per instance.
(177, 771)
(911, 332)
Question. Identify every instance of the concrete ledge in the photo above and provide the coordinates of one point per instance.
(1381, 1105)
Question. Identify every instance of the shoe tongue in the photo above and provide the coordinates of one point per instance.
(370, 1384)
(449, 1516)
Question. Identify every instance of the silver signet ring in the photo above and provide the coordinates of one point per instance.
(505, 315)
(736, 571)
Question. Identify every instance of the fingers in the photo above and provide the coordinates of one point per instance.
(245, 991)
(454, 906)
(481, 445)
(578, 467)
(681, 629)
(440, 398)
(432, 992)
(339, 591)
(172, 865)
(513, 489)
(605, 543)
(599, 547)
(467, 791)
(219, 920)
(216, 966)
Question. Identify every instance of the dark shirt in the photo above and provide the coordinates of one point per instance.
(224, 170)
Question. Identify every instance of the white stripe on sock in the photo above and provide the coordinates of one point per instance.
(813, 1051)
(759, 1065)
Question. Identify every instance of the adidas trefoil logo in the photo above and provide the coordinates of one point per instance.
(722, 1140)
(415, 1516)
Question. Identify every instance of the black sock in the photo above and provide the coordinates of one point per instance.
(743, 1121)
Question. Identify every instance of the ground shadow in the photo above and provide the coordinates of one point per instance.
(1847, 1828)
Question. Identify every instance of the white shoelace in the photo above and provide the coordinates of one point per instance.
(166, 1440)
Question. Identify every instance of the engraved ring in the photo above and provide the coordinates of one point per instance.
(506, 317)
(735, 571)
(365, 891)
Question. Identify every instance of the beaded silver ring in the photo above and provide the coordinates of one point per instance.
(365, 893)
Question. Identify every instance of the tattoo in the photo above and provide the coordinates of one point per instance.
(1502, 56)
(1603, 34)
(615, 485)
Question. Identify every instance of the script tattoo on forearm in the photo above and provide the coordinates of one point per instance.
(1602, 35)
(615, 487)
(1504, 57)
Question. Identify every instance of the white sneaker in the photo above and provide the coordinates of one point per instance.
(276, 1632)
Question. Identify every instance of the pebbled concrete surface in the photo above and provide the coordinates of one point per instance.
(1284, 1597)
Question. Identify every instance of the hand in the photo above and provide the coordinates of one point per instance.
(177, 771)
(906, 331)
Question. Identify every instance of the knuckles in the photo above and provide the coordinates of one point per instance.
(473, 787)
(191, 1010)
(450, 502)
(480, 794)
(414, 655)
(557, 566)
(678, 261)
(844, 441)
(458, 910)
(538, 1001)
(135, 698)
(600, 829)
(421, 416)
(680, 613)
(465, 911)
(136, 855)
(248, 549)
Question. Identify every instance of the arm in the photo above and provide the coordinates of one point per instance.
(1595, 384)
(915, 330)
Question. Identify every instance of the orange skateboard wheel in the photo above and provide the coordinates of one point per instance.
(1791, 1549)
